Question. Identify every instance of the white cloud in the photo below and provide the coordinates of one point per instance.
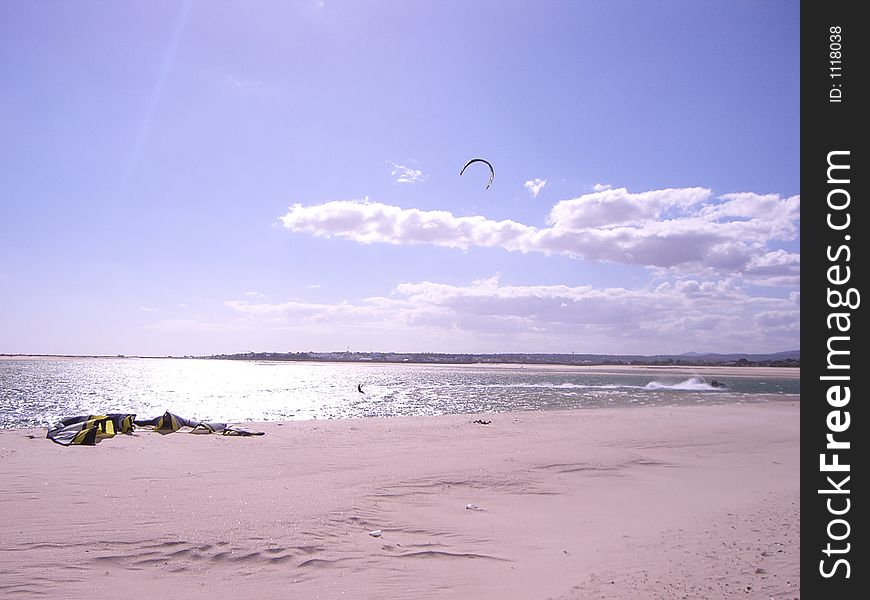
(301, 310)
(600, 187)
(370, 222)
(611, 207)
(775, 268)
(147, 309)
(670, 317)
(404, 174)
(683, 228)
(535, 186)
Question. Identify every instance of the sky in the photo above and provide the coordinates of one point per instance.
(205, 177)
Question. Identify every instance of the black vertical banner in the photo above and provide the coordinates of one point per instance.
(834, 173)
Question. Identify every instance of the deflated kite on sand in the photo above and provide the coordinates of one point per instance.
(87, 430)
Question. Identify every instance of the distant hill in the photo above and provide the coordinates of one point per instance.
(790, 354)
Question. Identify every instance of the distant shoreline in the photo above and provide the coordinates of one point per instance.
(788, 360)
(602, 363)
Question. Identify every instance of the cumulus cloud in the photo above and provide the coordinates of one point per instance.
(370, 222)
(775, 268)
(535, 186)
(539, 318)
(609, 208)
(403, 174)
(686, 228)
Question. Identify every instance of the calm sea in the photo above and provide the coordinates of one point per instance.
(37, 392)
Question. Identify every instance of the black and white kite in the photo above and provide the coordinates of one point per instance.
(484, 161)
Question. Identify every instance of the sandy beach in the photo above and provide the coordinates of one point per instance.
(683, 502)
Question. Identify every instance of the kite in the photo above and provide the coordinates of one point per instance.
(88, 430)
(487, 163)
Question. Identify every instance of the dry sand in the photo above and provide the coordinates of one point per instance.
(635, 503)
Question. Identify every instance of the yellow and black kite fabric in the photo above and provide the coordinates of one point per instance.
(88, 430)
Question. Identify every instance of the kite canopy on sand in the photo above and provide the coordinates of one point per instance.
(484, 161)
(89, 430)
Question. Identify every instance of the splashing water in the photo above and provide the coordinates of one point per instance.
(697, 384)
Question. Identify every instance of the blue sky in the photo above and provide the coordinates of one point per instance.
(217, 177)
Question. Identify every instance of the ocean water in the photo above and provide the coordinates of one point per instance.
(38, 392)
